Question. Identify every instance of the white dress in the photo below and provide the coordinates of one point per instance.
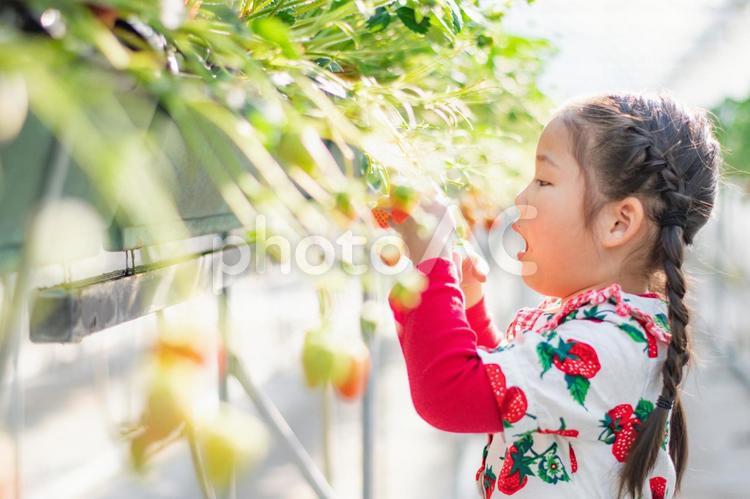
(573, 386)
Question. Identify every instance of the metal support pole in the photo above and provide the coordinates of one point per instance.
(370, 398)
(224, 323)
(326, 422)
(271, 415)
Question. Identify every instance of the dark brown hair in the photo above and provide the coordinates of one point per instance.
(652, 147)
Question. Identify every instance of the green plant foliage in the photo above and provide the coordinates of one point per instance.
(733, 131)
(256, 89)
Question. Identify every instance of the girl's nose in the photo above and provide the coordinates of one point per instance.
(520, 198)
(525, 210)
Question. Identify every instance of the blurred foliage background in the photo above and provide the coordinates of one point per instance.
(127, 124)
(149, 96)
(733, 132)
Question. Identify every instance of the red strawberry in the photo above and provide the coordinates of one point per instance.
(623, 442)
(573, 460)
(652, 350)
(488, 482)
(511, 478)
(479, 472)
(619, 416)
(399, 216)
(577, 359)
(485, 452)
(514, 405)
(621, 426)
(381, 216)
(658, 486)
(497, 380)
(512, 401)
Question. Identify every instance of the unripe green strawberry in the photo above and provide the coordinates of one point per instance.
(404, 198)
(231, 441)
(407, 292)
(317, 358)
(345, 207)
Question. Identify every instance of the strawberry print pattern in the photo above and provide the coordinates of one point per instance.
(658, 487)
(515, 473)
(576, 359)
(573, 460)
(511, 401)
(521, 461)
(488, 482)
(554, 377)
(621, 425)
(485, 451)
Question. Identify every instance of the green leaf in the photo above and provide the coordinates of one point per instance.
(379, 20)
(643, 409)
(523, 444)
(571, 315)
(594, 313)
(578, 386)
(406, 14)
(662, 321)
(274, 30)
(484, 40)
(287, 16)
(544, 352)
(635, 333)
(455, 13)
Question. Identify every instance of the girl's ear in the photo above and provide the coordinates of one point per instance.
(622, 221)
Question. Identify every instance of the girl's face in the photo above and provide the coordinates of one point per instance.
(562, 256)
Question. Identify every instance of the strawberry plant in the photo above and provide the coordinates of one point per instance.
(307, 113)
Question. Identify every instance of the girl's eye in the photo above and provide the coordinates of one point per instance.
(542, 183)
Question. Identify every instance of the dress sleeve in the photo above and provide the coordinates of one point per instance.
(447, 380)
(488, 335)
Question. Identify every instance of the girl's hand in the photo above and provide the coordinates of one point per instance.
(473, 270)
(432, 239)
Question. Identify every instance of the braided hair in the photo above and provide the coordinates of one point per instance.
(652, 147)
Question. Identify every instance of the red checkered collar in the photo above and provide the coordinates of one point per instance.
(526, 318)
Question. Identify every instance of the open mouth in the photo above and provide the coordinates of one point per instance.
(525, 248)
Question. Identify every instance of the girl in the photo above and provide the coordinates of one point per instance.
(581, 397)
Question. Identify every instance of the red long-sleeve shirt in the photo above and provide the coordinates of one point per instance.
(439, 338)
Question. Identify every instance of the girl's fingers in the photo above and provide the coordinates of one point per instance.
(460, 263)
(476, 266)
(482, 268)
